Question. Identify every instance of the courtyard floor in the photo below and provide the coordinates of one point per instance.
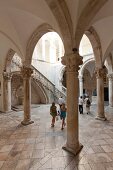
(39, 147)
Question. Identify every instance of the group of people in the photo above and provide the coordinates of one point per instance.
(61, 112)
(87, 103)
(54, 112)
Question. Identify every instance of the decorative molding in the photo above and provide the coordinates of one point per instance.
(26, 72)
(110, 76)
(72, 62)
(7, 76)
(99, 73)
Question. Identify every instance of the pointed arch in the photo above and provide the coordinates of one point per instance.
(96, 45)
(84, 65)
(9, 56)
(84, 20)
(37, 34)
(109, 50)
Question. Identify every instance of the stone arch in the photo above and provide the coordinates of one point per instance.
(84, 65)
(91, 8)
(42, 92)
(96, 45)
(109, 63)
(9, 56)
(63, 69)
(62, 15)
(37, 34)
(109, 50)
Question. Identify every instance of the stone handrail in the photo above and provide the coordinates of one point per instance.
(39, 77)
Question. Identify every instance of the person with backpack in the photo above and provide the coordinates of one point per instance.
(88, 104)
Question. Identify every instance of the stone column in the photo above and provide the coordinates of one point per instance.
(7, 91)
(26, 72)
(80, 86)
(72, 63)
(100, 94)
(110, 77)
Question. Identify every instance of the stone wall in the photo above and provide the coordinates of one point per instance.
(17, 92)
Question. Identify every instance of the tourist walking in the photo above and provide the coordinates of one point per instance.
(60, 101)
(81, 105)
(53, 113)
(88, 104)
(63, 115)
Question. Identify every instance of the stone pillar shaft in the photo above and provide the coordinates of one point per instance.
(26, 72)
(110, 76)
(100, 94)
(7, 91)
(80, 86)
(72, 62)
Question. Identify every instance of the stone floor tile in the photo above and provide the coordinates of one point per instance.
(87, 167)
(30, 140)
(23, 164)
(58, 162)
(18, 147)
(3, 156)
(26, 154)
(14, 155)
(107, 148)
(71, 166)
(80, 167)
(97, 166)
(99, 142)
(42, 145)
(9, 165)
(46, 165)
(28, 147)
(39, 146)
(35, 164)
(109, 141)
(38, 153)
(98, 158)
(20, 141)
(97, 149)
(6, 148)
(84, 160)
(109, 166)
(1, 163)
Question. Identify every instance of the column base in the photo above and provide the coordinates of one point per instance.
(100, 118)
(27, 122)
(8, 111)
(72, 150)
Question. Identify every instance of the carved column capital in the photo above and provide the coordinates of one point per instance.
(99, 73)
(7, 76)
(26, 72)
(110, 77)
(72, 62)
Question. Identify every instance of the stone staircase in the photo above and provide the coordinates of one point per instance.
(39, 78)
(47, 84)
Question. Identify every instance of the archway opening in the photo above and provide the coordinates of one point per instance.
(87, 69)
(46, 61)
